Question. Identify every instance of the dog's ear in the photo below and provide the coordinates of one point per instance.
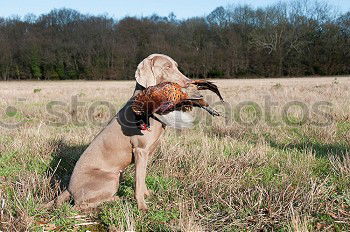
(145, 74)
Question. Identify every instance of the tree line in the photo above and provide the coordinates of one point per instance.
(299, 38)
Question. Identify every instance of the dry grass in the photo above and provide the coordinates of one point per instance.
(218, 176)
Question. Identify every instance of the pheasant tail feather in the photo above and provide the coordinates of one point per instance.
(207, 85)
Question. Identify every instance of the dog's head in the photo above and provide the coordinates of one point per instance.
(158, 68)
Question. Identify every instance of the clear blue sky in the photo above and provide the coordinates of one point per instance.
(120, 8)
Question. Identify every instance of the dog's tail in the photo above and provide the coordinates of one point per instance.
(63, 197)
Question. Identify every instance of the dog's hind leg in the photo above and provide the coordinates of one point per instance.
(88, 206)
(100, 188)
(63, 197)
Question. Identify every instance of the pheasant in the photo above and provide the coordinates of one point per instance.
(167, 97)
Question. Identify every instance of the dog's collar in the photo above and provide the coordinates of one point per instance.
(138, 89)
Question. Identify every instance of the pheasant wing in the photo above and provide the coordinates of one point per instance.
(165, 107)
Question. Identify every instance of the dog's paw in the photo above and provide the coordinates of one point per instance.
(148, 193)
(142, 206)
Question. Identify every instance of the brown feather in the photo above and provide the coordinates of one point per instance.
(167, 96)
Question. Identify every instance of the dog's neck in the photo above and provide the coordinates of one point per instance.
(138, 89)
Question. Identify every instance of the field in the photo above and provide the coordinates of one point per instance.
(279, 161)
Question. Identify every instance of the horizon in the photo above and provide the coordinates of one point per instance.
(182, 9)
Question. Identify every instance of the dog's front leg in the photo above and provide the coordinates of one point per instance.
(141, 157)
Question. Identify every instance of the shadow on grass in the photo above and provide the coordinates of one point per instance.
(320, 150)
(303, 144)
(63, 161)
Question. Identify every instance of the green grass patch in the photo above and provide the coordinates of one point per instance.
(5, 139)
(277, 86)
(270, 175)
(236, 150)
(126, 187)
(160, 183)
(8, 165)
(321, 168)
(36, 90)
(343, 128)
(63, 217)
(120, 213)
(36, 165)
(114, 213)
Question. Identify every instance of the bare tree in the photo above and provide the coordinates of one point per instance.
(303, 37)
